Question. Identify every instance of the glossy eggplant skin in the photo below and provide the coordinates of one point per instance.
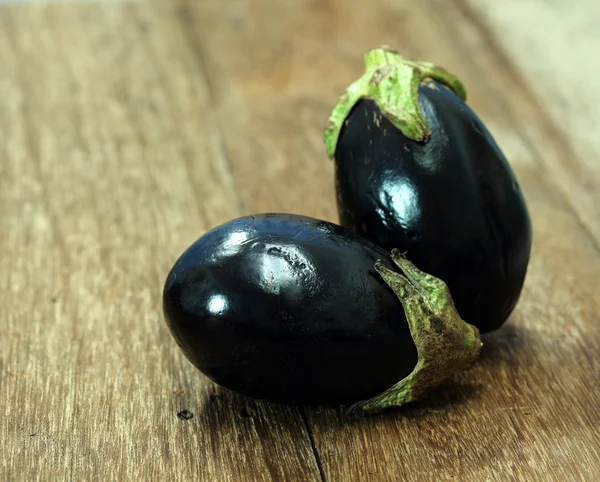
(289, 309)
(452, 203)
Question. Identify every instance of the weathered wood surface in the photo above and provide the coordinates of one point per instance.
(127, 129)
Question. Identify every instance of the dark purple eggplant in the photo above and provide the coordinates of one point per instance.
(297, 310)
(417, 170)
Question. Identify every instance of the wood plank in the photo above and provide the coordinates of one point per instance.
(527, 411)
(111, 165)
(270, 118)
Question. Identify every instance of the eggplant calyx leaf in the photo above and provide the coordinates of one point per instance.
(392, 82)
(445, 343)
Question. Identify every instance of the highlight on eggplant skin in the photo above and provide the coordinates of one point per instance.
(450, 199)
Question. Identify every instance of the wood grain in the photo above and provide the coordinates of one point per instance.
(129, 129)
(111, 165)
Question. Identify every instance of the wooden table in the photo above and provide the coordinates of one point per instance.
(129, 129)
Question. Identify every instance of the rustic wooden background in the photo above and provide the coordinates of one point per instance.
(127, 129)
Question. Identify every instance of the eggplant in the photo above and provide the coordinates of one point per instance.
(296, 310)
(417, 170)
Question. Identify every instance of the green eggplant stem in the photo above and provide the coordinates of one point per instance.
(392, 82)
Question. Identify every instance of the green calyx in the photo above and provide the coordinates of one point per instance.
(445, 343)
(392, 82)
